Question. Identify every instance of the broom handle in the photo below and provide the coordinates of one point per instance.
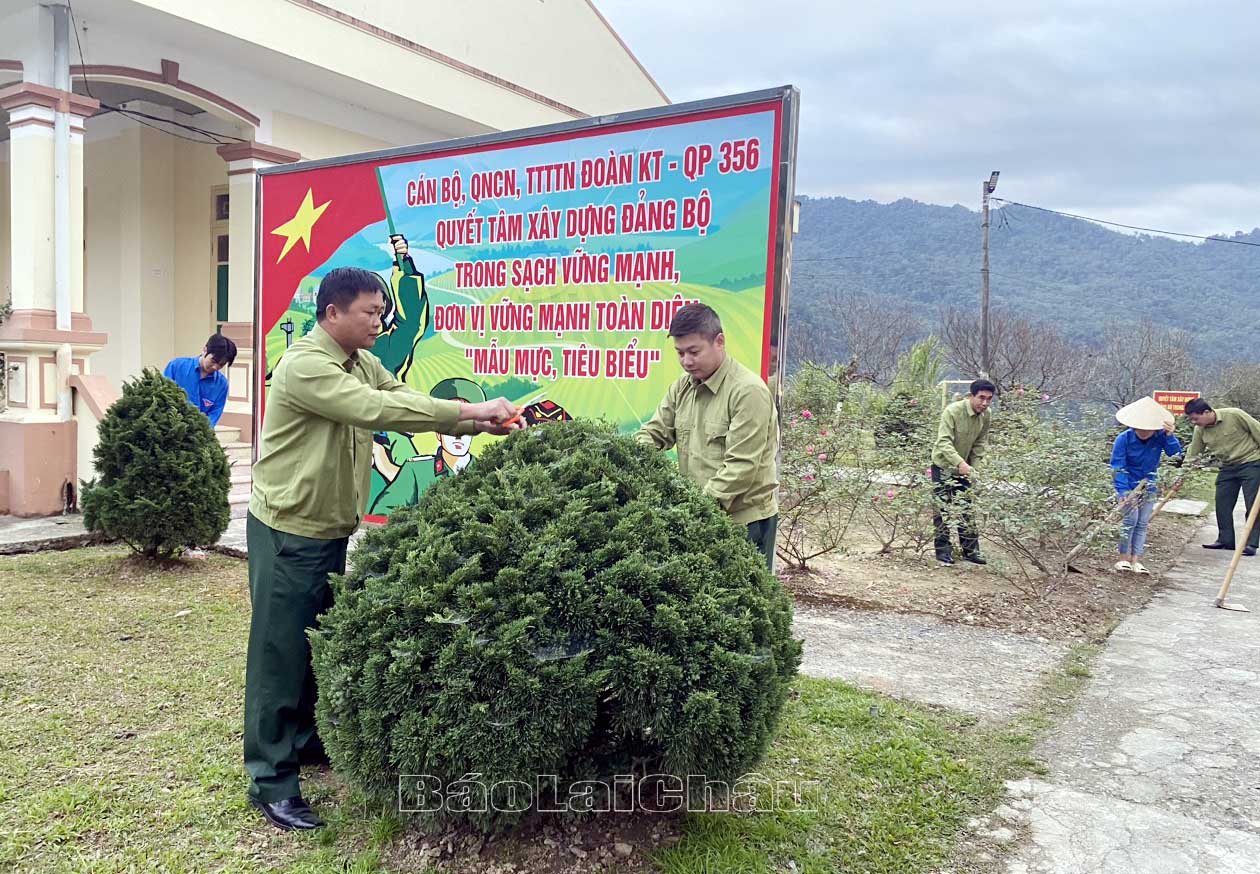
(1176, 487)
(1116, 512)
(1240, 545)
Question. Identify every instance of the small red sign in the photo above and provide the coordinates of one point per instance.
(1174, 401)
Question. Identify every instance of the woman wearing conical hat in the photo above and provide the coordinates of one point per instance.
(1135, 460)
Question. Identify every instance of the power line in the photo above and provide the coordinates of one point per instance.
(74, 25)
(959, 275)
(212, 138)
(190, 127)
(138, 118)
(1120, 225)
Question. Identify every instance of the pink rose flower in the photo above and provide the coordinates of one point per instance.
(1045, 398)
(891, 493)
(809, 449)
(914, 402)
(809, 477)
(822, 433)
(806, 414)
(822, 456)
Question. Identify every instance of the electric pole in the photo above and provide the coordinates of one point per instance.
(987, 187)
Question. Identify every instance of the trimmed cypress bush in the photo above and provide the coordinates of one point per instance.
(568, 606)
(163, 477)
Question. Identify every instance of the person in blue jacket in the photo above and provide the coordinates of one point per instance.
(201, 376)
(1135, 458)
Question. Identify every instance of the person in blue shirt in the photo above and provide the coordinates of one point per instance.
(201, 376)
(1135, 458)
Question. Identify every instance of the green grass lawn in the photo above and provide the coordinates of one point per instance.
(121, 689)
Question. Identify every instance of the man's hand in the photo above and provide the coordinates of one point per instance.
(495, 412)
(498, 430)
(1169, 428)
(964, 469)
(400, 244)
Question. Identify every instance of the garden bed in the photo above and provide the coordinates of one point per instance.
(1082, 606)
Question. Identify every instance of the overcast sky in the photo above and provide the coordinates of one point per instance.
(1146, 112)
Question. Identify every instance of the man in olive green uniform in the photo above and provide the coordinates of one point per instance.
(415, 473)
(328, 395)
(960, 443)
(1233, 437)
(721, 417)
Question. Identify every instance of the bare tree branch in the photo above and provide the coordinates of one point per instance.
(1238, 385)
(869, 331)
(1138, 358)
(1024, 352)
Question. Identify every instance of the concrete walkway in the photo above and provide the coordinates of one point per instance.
(1158, 771)
(982, 671)
(46, 532)
(67, 532)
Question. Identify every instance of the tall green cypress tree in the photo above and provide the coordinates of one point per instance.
(163, 478)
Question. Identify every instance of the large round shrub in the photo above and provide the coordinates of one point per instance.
(570, 606)
(163, 477)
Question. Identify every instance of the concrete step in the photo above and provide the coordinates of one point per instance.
(239, 505)
(227, 434)
(242, 483)
(239, 454)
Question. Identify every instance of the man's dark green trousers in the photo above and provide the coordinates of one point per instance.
(288, 589)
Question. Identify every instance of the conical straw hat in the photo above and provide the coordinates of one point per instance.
(1144, 413)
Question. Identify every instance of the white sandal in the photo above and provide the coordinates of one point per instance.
(1139, 568)
(1123, 566)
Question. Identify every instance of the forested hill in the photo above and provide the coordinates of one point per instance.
(1077, 274)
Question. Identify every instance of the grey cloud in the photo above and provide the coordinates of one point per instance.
(1137, 111)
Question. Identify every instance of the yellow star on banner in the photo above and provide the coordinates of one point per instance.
(299, 227)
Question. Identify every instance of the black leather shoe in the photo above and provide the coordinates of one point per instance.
(944, 558)
(289, 815)
(974, 558)
(1217, 545)
(1249, 550)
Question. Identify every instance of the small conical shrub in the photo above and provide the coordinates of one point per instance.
(162, 476)
(568, 606)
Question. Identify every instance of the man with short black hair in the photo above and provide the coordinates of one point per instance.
(960, 444)
(329, 395)
(201, 376)
(1233, 436)
(721, 417)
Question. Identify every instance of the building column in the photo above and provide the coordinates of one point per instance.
(37, 442)
(244, 160)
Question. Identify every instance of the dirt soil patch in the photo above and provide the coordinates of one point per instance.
(1083, 606)
(540, 845)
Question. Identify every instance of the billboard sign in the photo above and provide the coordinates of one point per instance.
(542, 265)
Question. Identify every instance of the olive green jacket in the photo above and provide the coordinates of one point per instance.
(313, 476)
(726, 431)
